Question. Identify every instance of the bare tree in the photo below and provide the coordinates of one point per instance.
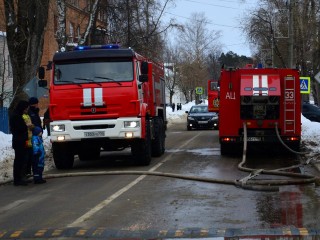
(272, 19)
(196, 42)
(25, 24)
(5, 85)
(172, 70)
(87, 35)
(61, 30)
(137, 24)
(261, 30)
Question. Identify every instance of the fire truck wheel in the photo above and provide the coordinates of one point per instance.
(141, 149)
(62, 155)
(158, 143)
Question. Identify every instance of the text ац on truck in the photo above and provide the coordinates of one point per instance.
(106, 98)
(264, 102)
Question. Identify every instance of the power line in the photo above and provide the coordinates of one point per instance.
(221, 25)
(222, 6)
(215, 5)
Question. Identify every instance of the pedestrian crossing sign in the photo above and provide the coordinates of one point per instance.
(199, 90)
(304, 85)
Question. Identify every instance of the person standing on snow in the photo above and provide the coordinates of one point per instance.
(34, 112)
(19, 130)
(38, 155)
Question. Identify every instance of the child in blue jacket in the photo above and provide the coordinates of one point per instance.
(38, 155)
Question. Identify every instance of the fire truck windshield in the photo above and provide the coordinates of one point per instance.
(93, 72)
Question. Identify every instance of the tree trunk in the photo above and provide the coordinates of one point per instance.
(25, 23)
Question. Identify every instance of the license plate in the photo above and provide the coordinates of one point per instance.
(94, 134)
(203, 122)
(254, 139)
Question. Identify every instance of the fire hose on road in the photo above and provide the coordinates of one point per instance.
(299, 178)
(245, 183)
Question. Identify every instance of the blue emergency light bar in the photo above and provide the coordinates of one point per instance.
(108, 46)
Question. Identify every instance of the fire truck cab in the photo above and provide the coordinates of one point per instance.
(105, 98)
(264, 101)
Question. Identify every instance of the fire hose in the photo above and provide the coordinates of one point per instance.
(300, 178)
(244, 183)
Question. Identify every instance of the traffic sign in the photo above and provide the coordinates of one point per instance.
(304, 85)
(317, 77)
(199, 90)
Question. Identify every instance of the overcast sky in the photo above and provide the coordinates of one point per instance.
(223, 15)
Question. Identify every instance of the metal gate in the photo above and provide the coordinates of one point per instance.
(4, 120)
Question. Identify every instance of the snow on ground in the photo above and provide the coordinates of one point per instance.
(310, 141)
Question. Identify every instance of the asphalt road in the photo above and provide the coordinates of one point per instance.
(157, 206)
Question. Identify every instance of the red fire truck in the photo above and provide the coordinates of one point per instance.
(264, 102)
(213, 95)
(106, 98)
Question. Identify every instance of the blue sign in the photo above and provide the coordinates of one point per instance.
(305, 85)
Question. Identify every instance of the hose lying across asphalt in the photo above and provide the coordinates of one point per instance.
(300, 178)
(245, 183)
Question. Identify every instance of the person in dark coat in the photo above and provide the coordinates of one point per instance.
(34, 112)
(173, 107)
(19, 130)
(38, 155)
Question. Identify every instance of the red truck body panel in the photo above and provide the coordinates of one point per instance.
(67, 101)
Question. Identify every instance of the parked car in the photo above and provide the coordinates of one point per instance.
(200, 117)
(311, 112)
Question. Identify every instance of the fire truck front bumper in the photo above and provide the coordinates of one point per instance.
(121, 128)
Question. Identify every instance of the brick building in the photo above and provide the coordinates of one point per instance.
(77, 16)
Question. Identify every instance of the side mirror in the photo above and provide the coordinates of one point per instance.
(144, 68)
(41, 73)
(42, 83)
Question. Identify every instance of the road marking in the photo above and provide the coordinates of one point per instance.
(11, 206)
(104, 203)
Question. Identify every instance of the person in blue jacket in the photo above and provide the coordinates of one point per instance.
(38, 155)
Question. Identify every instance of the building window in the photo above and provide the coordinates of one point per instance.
(102, 15)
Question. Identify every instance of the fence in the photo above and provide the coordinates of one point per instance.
(4, 120)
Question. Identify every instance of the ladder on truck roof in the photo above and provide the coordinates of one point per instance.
(289, 104)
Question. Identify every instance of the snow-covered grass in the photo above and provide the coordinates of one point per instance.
(310, 141)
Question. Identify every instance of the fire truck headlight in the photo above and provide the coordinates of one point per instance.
(57, 128)
(131, 124)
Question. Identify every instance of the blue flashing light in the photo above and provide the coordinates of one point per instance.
(108, 46)
(82, 48)
(111, 46)
(260, 65)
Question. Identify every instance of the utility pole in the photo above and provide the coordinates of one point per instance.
(290, 50)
